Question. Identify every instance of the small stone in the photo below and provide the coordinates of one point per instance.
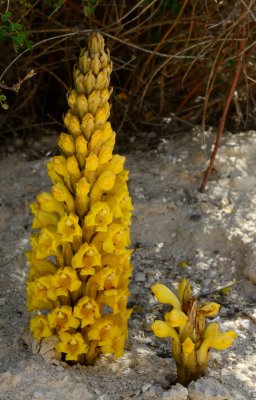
(177, 392)
(208, 389)
(148, 321)
(146, 387)
(140, 277)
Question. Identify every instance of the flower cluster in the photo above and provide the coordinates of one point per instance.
(79, 262)
(191, 337)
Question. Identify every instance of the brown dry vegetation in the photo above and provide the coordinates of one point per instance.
(183, 61)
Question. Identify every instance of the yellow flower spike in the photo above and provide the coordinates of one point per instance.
(39, 327)
(72, 124)
(48, 203)
(162, 329)
(99, 216)
(82, 105)
(176, 318)
(82, 199)
(165, 295)
(208, 309)
(68, 227)
(191, 337)
(72, 345)
(73, 170)
(87, 310)
(81, 151)
(62, 194)
(79, 265)
(62, 319)
(66, 281)
(66, 144)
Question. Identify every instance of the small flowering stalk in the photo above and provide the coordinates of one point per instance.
(191, 337)
(79, 264)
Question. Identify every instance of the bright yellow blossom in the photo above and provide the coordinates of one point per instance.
(62, 319)
(39, 327)
(87, 310)
(72, 345)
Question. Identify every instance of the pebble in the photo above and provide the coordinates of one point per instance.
(146, 387)
(208, 389)
(177, 392)
(2, 301)
(140, 277)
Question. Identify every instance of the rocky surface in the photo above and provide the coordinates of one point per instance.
(177, 231)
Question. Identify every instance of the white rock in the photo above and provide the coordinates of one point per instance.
(208, 389)
(177, 392)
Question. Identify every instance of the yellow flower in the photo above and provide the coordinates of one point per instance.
(87, 310)
(176, 318)
(69, 227)
(62, 194)
(218, 341)
(39, 267)
(65, 280)
(62, 319)
(117, 237)
(42, 218)
(45, 243)
(116, 299)
(72, 345)
(41, 294)
(104, 182)
(208, 309)
(86, 258)
(109, 334)
(39, 327)
(162, 329)
(48, 203)
(106, 278)
(99, 216)
(66, 144)
(184, 290)
(165, 295)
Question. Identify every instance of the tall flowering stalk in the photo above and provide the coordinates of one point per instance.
(79, 263)
(191, 337)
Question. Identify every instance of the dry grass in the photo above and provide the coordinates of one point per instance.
(173, 59)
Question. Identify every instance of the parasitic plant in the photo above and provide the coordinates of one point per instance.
(191, 337)
(79, 263)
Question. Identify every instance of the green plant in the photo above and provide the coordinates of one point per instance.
(79, 262)
(191, 336)
(14, 31)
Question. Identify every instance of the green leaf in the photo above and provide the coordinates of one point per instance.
(2, 97)
(6, 15)
(30, 44)
(5, 106)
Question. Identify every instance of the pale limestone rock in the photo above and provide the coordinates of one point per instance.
(177, 392)
(207, 389)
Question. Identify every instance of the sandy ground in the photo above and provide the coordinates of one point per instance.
(177, 231)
